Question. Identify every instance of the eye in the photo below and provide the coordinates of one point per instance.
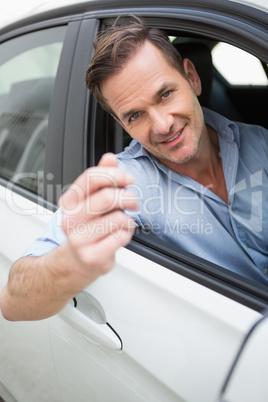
(166, 94)
(134, 116)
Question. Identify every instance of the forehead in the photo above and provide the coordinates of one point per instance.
(139, 80)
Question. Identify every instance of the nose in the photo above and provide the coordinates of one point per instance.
(161, 122)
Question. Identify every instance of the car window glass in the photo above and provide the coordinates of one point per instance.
(244, 69)
(28, 67)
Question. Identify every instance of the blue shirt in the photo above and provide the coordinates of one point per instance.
(180, 210)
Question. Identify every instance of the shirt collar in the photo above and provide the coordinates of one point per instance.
(226, 129)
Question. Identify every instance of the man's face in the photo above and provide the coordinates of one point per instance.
(157, 105)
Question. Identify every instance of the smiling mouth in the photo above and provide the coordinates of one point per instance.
(173, 138)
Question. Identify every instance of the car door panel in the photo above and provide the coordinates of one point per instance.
(168, 326)
(91, 321)
(246, 380)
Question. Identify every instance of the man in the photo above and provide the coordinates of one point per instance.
(190, 176)
(206, 182)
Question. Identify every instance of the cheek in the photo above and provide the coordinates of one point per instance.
(132, 132)
(197, 111)
(192, 108)
(140, 132)
(181, 104)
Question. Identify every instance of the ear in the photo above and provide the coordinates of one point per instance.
(192, 76)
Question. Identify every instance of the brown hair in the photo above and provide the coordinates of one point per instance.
(115, 46)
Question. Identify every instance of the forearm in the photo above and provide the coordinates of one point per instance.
(38, 287)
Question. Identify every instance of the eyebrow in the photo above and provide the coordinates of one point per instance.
(155, 97)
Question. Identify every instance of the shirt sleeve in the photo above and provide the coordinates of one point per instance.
(51, 238)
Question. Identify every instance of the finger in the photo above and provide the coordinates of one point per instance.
(108, 160)
(107, 200)
(88, 233)
(92, 180)
(100, 203)
(99, 258)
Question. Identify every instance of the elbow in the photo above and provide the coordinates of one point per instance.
(4, 306)
(6, 316)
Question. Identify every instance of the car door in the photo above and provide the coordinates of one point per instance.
(31, 59)
(246, 379)
(174, 333)
(163, 325)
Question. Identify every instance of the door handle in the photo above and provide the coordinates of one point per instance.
(89, 319)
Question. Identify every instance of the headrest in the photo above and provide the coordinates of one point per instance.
(200, 56)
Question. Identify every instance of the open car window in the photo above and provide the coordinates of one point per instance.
(243, 103)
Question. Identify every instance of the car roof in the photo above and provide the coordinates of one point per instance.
(260, 4)
(53, 4)
(50, 5)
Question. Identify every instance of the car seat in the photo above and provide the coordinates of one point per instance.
(214, 94)
(200, 54)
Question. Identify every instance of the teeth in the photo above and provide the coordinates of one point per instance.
(174, 138)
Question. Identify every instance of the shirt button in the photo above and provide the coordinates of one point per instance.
(266, 271)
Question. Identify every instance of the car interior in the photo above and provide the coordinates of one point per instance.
(232, 101)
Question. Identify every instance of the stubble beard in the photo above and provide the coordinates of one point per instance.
(177, 160)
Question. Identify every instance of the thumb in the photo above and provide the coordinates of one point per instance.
(108, 160)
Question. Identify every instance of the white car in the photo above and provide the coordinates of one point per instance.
(163, 325)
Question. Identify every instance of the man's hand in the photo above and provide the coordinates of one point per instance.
(93, 216)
